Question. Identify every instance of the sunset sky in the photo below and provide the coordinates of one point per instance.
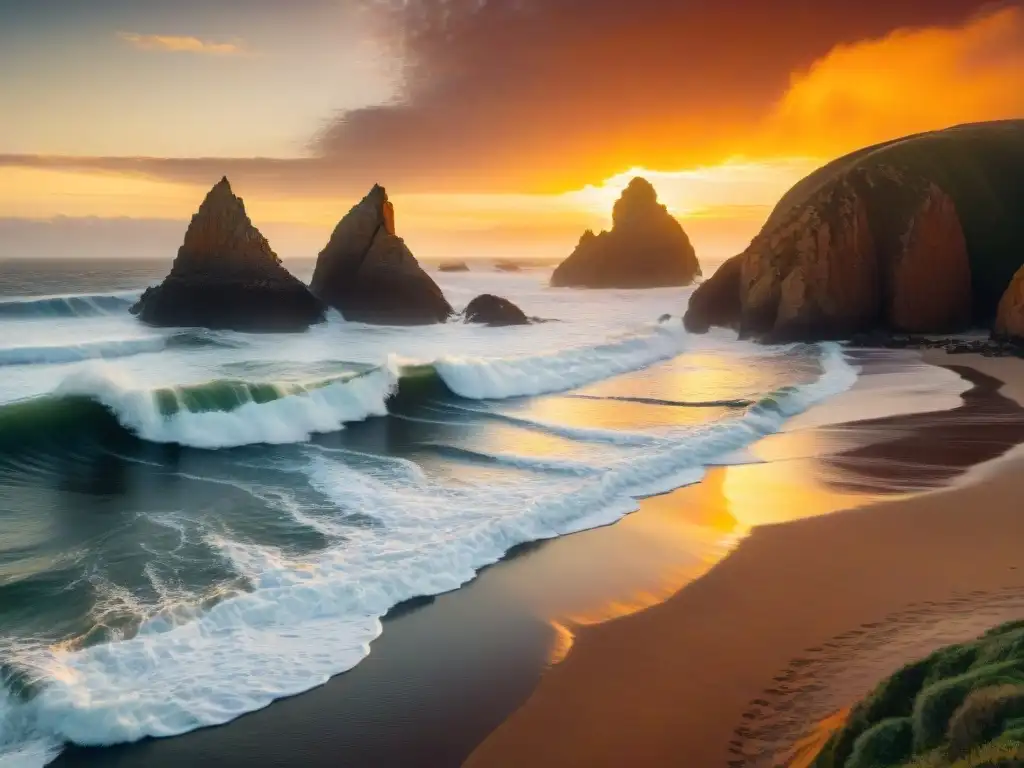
(499, 127)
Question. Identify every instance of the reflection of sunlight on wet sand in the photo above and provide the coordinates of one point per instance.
(694, 522)
(804, 752)
(704, 521)
(694, 376)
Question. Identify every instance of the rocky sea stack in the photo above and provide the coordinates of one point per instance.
(492, 310)
(226, 276)
(368, 273)
(645, 248)
(918, 235)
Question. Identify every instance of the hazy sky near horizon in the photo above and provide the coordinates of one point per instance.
(508, 120)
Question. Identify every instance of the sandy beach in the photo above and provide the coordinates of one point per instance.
(803, 618)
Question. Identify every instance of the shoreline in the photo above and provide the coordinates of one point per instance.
(449, 670)
(803, 617)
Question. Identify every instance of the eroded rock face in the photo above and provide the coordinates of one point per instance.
(495, 311)
(717, 300)
(874, 248)
(226, 276)
(369, 274)
(645, 248)
(1010, 316)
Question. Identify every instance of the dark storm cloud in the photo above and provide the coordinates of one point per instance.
(515, 95)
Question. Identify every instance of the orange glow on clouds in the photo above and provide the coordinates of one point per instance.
(181, 44)
(907, 82)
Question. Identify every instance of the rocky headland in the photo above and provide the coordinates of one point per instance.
(921, 235)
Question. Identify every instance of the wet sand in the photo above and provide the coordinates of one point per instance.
(804, 617)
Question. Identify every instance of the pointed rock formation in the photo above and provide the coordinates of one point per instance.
(492, 310)
(369, 274)
(645, 248)
(226, 276)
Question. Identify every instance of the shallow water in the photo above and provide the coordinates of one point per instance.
(194, 524)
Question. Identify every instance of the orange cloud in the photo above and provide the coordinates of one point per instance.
(181, 44)
(910, 81)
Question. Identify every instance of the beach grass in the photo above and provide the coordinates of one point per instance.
(960, 707)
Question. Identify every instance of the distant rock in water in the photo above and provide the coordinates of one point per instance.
(645, 248)
(494, 310)
(919, 235)
(226, 276)
(369, 274)
(507, 266)
(453, 266)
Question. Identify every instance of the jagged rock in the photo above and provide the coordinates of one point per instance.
(645, 248)
(1010, 315)
(226, 276)
(717, 300)
(494, 310)
(369, 274)
(921, 234)
(453, 266)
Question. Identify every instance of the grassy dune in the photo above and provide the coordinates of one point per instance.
(961, 707)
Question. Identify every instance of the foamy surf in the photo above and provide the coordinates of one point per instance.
(307, 619)
(71, 305)
(228, 413)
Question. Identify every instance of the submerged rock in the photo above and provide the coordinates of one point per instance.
(226, 276)
(494, 310)
(369, 274)
(645, 248)
(918, 235)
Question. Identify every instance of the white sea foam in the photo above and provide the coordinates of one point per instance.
(306, 621)
(497, 378)
(298, 412)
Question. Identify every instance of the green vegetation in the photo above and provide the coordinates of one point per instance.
(981, 166)
(961, 707)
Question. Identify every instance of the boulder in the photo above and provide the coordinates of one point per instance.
(645, 248)
(1010, 315)
(368, 273)
(911, 236)
(226, 276)
(453, 266)
(494, 310)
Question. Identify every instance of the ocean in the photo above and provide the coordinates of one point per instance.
(194, 524)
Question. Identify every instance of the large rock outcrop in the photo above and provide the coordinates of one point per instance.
(369, 274)
(226, 276)
(919, 235)
(645, 248)
(492, 310)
